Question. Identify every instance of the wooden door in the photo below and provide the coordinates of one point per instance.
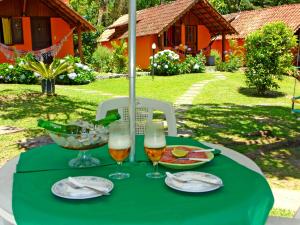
(40, 32)
(191, 38)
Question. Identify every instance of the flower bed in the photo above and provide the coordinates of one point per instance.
(81, 73)
(167, 62)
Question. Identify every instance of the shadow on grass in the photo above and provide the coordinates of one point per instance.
(35, 105)
(251, 92)
(231, 125)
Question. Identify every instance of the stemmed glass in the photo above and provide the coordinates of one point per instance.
(154, 144)
(119, 146)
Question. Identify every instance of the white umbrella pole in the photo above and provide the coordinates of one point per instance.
(131, 68)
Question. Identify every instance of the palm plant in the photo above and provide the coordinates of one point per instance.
(48, 73)
(119, 57)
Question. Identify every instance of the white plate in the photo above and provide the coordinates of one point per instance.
(64, 189)
(193, 186)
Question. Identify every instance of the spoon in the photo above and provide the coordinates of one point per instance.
(78, 184)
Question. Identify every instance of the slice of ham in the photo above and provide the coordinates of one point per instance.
(168, 157)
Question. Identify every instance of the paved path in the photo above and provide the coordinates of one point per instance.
(286, 199)
(188, 97)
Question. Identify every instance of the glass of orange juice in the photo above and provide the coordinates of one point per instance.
(154, 145)
(119, 144)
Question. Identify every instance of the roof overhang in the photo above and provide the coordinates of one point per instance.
(211, 18)
(69, 15)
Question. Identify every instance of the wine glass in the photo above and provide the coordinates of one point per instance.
(119, 146)
(154, 144)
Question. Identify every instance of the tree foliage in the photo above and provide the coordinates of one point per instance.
(230, 6)
(269, 56)
(102, 13)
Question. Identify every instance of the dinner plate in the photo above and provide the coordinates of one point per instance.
(193, 186)
(187, 164)
(64, 189)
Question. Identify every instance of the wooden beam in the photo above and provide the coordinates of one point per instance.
(161, 41)
(24, 7)
(183, 34)
(80, 43)
(223, 46)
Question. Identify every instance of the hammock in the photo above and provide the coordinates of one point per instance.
(11, 53)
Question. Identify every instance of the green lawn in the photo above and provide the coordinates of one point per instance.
(225, 112)
(22, 105)
(228, 113)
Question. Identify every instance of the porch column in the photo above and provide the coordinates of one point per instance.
(223, 46)
(80, 43)
(183, 34)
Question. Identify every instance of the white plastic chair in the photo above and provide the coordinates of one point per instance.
(144, 112)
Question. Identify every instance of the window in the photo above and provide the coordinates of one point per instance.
(177, 35)
(165, 39)
(17, 30)
(11, 31)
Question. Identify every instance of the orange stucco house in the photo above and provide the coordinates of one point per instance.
(190, 23)
(32, 25)
(246, 22)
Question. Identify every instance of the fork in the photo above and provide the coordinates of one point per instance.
(195, 159)
(203, 150)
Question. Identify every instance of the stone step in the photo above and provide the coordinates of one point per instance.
(188, 97)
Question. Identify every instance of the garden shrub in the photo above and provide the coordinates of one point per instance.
(119, 58)
(269, 56)
(193, 64)
(214, 58)
(233, 58)
(165, 62)
(81, 74)
(232, 65)
(101, 59)
(16, 73)
(215, 53)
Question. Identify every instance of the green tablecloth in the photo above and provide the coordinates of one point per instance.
(245, 198)
(53, 157)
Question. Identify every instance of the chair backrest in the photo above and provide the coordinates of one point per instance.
(144, 112)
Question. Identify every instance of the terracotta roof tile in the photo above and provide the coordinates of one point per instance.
(246, 22)
(156, 19)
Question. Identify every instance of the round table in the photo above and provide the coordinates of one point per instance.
(8, 170)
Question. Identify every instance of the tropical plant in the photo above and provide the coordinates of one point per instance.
(269, 56)
(119, 57)
(56, 68)
(102, 58)
(165, 62)
(48, 72)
